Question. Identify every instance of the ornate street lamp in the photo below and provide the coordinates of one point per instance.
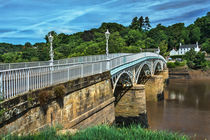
(50, 38)
(107, 34)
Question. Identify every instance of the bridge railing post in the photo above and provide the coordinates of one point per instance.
(82, 70)
(68, 73)
(51, 75)
(108, 64)
(101, 64)
(92, 70)
(1, 87)
(28, 79)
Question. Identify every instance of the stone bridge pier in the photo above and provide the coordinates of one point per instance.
(154, 86)
(130, 105)
(131, 108)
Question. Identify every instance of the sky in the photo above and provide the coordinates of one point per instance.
(30, 20)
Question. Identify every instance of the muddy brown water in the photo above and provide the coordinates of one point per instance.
(185, 109)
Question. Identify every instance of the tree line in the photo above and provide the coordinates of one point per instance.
(131, 39)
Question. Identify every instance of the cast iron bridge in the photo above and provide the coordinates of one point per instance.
(17, 78)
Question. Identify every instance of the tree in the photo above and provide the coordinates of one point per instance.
(113, 27)
(158, 35)
(116, 43)
(141, 23)
(206, 46)
(203, 23)
(28, 45)
(163, 48)
(134, 24)
(195, 34)
(150, 43)
(195, 60)
(147, 25)
(87, 35)
(132, 37)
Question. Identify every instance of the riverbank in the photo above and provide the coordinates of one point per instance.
(185, 72)
(103, 132)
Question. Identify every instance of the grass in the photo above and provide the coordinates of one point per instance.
(176, 64)
(103, 132)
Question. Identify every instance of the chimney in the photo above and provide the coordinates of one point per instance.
(180, 44)
(197, 43)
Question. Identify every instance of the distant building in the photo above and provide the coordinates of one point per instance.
(185, 48)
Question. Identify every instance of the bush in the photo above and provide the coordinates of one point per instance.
(59, 91)
(196, 60)
(177, 63)
(171, 65)
(44, 97)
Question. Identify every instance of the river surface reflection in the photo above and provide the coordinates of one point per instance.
(186, 108)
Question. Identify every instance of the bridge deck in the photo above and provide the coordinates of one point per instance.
(16, 81)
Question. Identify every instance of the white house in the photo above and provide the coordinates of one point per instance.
(185, 48)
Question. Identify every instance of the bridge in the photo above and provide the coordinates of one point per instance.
(125, 69)
(79, 92)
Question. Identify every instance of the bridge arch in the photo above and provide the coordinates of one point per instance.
(158, 65)
(124, 74)
(145, 65)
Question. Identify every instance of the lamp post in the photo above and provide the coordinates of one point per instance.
(107, 34)
(50, 38)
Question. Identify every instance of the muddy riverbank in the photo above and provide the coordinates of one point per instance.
(184, 72)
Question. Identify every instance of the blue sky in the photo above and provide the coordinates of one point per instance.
(30, 20)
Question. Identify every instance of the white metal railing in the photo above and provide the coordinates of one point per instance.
(16, 81)
(6, 66)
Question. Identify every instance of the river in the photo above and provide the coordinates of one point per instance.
(185, 109)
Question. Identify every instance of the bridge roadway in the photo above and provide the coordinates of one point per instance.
(27, 77)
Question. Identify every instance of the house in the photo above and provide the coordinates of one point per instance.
(185, 48)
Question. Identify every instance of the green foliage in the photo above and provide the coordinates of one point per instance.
(195, 34)
(171, 65)
(140, 24)
(103, 132)
(147, 25)
(176, 64)
(178, 56)
(195, 60)
(134, 24)
(122, 39)
(163, 48)
(203, 23)
(206, 46)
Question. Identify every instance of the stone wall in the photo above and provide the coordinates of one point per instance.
(131, 108)
(154, 87)
(165, 74)
(88, 101)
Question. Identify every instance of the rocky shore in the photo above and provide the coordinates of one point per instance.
(185, 72)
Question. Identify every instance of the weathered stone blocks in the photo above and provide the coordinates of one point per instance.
(154, 87)
(88, 101)
(131, 108)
